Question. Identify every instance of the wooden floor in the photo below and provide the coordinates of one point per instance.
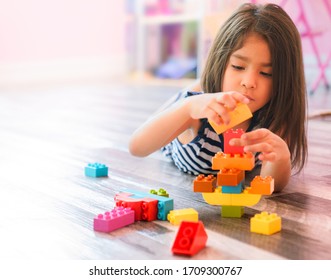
(47, 205)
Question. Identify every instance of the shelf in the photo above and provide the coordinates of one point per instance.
(168, 19)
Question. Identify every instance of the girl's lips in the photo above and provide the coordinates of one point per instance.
(250, 98)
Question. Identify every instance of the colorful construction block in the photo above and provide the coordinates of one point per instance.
(233, 189)
(165, 204)
(161, 192)
(265, 223)
(114, 219)
(242, 199)
(96, 170)
(227, 136)
(149, 209)
(175, 217)
(261, 185)
(232, 211)
(238, 115)
(230, 177)
(221, 160)
(204, 183)
(190, 239)
(134, 203)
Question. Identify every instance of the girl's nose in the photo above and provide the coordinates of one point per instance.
(248, 81)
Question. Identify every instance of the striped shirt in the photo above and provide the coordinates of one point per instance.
(196, 156)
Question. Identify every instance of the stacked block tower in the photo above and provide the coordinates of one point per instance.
(228, 187)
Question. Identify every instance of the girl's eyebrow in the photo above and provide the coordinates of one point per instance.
(246, 59)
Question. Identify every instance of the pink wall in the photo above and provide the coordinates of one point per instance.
(37, 30)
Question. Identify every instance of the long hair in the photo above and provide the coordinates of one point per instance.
(285, 113)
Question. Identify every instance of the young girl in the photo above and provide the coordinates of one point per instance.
(256, 59)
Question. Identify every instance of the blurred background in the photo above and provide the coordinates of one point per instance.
(167, 41)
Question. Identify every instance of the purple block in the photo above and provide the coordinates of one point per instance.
(117, 218)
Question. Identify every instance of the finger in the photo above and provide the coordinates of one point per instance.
(254, 135)
(260, 147)
(221, 112)
(267, 156)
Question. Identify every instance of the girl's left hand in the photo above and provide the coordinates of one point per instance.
(271, 147)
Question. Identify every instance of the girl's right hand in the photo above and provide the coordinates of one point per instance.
(215, 106)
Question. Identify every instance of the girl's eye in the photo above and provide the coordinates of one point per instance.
(237, 67)
(266, 74)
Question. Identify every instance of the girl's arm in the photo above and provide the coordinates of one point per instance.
(168, 124)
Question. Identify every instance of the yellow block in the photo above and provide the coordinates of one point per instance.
(175, 217)
(265, 223)
(240, 199)
(238, 115)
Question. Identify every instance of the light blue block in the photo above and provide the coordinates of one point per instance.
(96, 170)
(233, 189)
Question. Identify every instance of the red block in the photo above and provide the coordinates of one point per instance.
(230, 134)
(191, 238)
(149, 209)
(134, 203)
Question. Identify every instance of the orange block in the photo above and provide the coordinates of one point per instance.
(261, 185)
(230, 177)
(238, 115)
(244, 161)
(203, 183)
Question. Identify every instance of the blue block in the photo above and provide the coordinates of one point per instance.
(165, 204)
(96, 170)
(233, 189)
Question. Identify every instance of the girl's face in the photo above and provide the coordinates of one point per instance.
(249, 72)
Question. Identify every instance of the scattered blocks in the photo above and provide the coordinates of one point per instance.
(230, 134)
(265, 223)
(96, 170)
(190, 239)
(117, 218)
(164, 205)
(203, 183)
(238, 115)
(232, 211)
(175, 217)
(261, 185)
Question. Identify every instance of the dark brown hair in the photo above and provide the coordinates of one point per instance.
(285, 113)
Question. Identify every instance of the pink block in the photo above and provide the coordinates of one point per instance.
(117, 218)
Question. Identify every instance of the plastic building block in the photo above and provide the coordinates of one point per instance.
(134, 203)
(145, 208)
(149, 209)
(265, 223)
(261, 185)
(96, 170)
(233, 189)
(230, 134)
(190, 239)
(161, 192)
(242, 199)
(230, 177)
(232, 211)
(243, 162)
(203, 183)
(165, 204)
(238, 115)
(114, 219)
(175, 217)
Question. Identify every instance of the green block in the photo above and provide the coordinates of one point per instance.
(232, 211)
